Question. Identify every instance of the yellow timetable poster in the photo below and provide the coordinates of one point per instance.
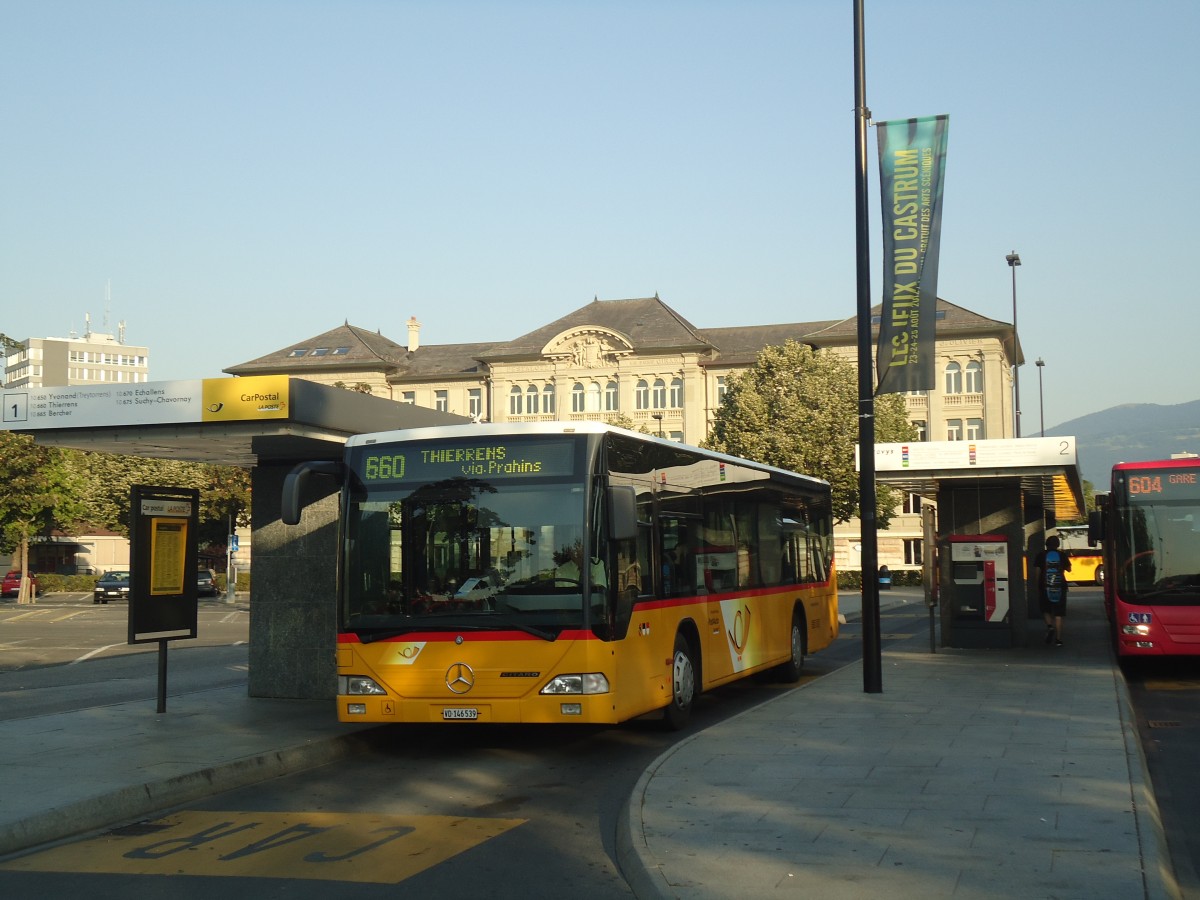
(168, 548)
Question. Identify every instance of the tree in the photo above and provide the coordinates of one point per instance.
(42, 492)
(622, 420)
(797, 409)
(224, 490)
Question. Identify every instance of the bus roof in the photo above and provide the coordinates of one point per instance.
(1178, 462)
(496, 429)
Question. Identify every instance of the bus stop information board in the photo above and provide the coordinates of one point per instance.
(162, 544)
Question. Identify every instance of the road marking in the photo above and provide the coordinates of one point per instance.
(92, 653)
(26, 615)
(359, 847)
(70, 615)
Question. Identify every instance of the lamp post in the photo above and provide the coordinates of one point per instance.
(1041, 364)
(1013, 261)
(658, 417)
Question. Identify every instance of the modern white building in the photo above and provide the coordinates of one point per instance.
(93, 358)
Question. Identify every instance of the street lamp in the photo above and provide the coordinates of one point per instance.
(1041, 364)
(659, 417)
(1013, 261)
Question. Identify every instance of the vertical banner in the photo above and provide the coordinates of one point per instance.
(912, 166)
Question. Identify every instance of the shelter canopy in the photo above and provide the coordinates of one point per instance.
(1047, 468)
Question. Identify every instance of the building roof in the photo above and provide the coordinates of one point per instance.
(647, 323)
(345, 347)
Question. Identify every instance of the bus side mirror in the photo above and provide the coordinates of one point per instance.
(1095, 527)
(622, 512)
(293, 486)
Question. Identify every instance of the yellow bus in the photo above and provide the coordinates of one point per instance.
(1087, 563)
(555, 572)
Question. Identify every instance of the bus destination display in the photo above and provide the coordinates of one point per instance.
(1163, 483)
(486, 460)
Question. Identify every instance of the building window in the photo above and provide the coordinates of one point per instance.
(912, 504)
(720, 389)
(441, 401)
(548, 399)
(531, 400)
(299, 351)
(954, 431)
(577, 398)
(593, 397)
(974, 378)
(922, 429)
(514, 401)
(409, 397)
(953, 378)
(912, 552)
(641, 395)
(612, 399)
(677, 393)
(975, 429)
(475, 403)
(659, 398)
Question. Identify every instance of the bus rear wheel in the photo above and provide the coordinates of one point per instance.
(790, 671)
(683, 685)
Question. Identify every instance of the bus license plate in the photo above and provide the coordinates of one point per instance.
(460, 713)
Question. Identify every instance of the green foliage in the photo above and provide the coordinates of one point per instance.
(797, 409)
(224, 490)
(621, 420)
(56, 584)
(41, 490)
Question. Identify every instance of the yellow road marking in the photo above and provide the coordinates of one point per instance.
(359, 847)
(70, 615)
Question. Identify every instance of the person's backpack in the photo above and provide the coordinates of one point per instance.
(1055, 579)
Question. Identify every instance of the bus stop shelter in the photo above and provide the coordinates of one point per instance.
(265, 424)
(994, 501)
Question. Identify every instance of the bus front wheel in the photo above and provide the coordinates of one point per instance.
(683, 685)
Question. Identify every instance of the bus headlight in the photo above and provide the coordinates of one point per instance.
(358, 684)
(585, 683)
(1135, 629)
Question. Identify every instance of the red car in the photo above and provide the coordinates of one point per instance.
(12, 583)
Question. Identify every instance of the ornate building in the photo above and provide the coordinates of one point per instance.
(640, 360)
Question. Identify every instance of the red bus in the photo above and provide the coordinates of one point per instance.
(1149, 525)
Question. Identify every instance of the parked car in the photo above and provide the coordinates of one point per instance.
(111, 586)
(12, 583)
(206, 583)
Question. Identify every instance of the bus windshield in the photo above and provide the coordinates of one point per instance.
(1157, 550)
(466, 552)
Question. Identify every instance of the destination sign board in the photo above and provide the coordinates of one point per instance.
(146, 403)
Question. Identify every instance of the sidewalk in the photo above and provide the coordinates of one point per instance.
(974, 774)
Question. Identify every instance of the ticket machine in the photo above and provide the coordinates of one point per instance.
(979, 588)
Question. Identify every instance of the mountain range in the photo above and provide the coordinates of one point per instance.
(1131, 432)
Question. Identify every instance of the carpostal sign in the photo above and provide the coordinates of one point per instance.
(148, 403)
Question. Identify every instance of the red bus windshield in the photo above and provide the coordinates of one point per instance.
(1156, 533)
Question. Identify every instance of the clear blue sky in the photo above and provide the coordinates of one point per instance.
(249, 173)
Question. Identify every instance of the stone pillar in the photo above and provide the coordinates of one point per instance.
(293, 589)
